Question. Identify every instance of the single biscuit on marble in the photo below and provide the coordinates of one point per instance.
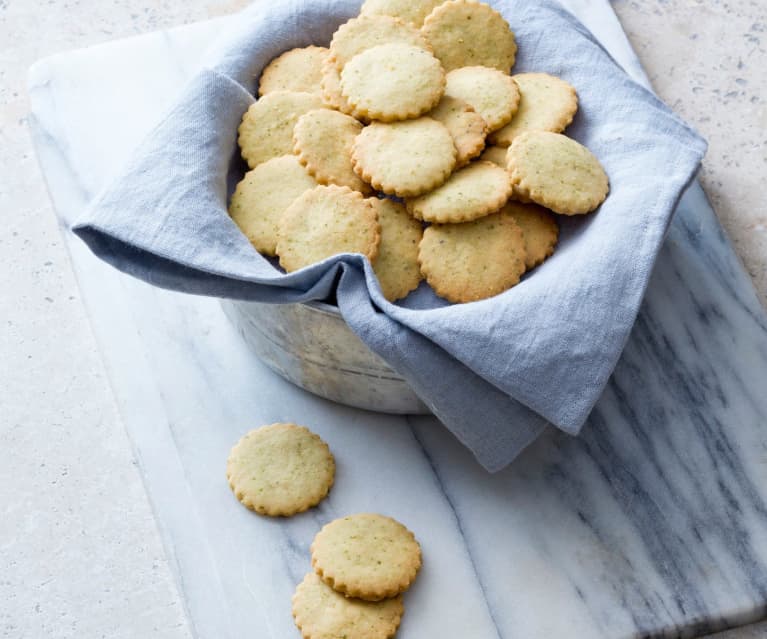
(474, 260)
(262, 196)
(397, 263)
(466, 33)
(404, 158)
(492, 94)
(326, 221)
(393, 82)
(323, 141)
(412, 11)
(546, 104)
(295, 70)
(366, 32)
(322, 613)
(556, 172)
(280, 470)
(266, 130)
(467, 127)
(368, 556)
(539, 228)
(470, 193)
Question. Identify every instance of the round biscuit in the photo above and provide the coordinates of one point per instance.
(368, 556)
(557, 172)
(466, 126)
(294, 70)
(327, 221)
(466, 33)
(266, 130)
(280, 470)
(404, 158)
(412, 11)
(492, 94)
(539, 228)
(262, 196)
(474, 260)
(320, 612)
(393, 81)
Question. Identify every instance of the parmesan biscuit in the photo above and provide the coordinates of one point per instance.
(397, 263)
(546, 104)
(326, 221)
(294, 70)
(365, 32)
(497, 155)
(473, 192)
(322, 613)
(331, 89)
(539, 228)
(492, 94)
(280, 470)
(404, 158)
(466, 33)
(412, 11)
(367, 556)
(323, 141)
(556, 172)
(474, 260)
(262, 196)
(393, 82)
(467, 127)
(266, 130)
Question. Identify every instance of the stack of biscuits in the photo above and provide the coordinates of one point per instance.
(409, 141)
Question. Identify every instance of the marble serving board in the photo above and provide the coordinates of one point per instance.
(653, 523)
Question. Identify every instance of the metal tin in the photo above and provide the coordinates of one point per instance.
(311, 346)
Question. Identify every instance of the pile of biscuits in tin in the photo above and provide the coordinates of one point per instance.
(409, 141)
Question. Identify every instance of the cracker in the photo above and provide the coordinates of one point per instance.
(393, 81)
(492, 94)
(539, 228)
(546, 104)
(404, 158)
(366, 32)
(397, 263)
(262, 196)
(294, 70)
(557, 172)
(474, 260)
(368, 556)
(412, 11)
(266, 130)
(322, 613)
(280, 470)
(473, 192)
(466, 33)
(323, 141)
(326, 221)
(331, 89)
(466, 126)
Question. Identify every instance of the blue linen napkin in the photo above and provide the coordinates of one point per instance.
(494, 372)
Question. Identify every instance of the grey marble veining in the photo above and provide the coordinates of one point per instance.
(652, 523)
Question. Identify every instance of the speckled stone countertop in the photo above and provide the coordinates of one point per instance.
(80, 555)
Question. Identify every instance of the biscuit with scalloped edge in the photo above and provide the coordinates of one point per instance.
(323, 141)
(266, 130)
(557, 172)
(295, 70)
(262, 196)
(492, 94)
(368, 556)
(280, 470)
(467, 127)
(539, 229)
(546, 103)
(368, 31)
(405, 158)
(472, 192)
(412, 11)
(326, 221)
(322, 613)
(331, 90)
(393, 81)
(474, 260)
(466, 33)
(397, 263)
